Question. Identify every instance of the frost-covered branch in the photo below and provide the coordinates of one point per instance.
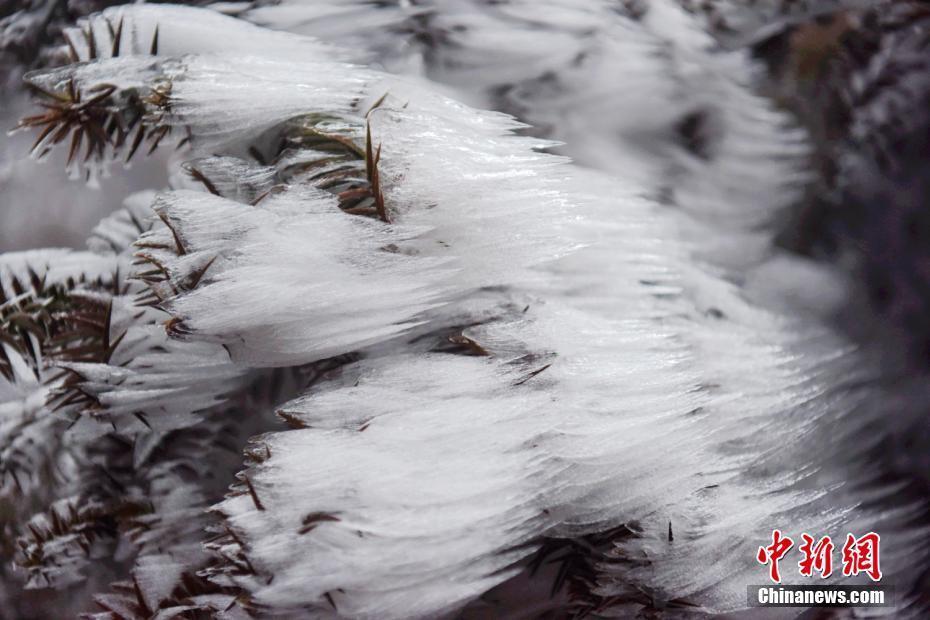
(488, 358)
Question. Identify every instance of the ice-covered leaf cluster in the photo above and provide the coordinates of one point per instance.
(491, 367)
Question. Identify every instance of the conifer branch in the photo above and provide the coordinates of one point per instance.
(488, 364)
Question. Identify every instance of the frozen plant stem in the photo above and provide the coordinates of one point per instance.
(489, 359)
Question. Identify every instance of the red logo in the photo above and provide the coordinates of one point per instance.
(773, 553)
(860, 555)
(817, 557)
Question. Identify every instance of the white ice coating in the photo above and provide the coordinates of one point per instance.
(627, 381)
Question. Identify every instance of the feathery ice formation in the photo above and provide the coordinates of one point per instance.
(492, 368)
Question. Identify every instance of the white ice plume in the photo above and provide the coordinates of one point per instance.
(537, 352)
